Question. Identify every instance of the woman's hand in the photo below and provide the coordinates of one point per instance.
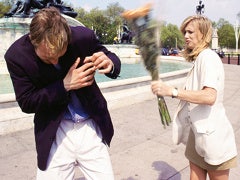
(161, 89)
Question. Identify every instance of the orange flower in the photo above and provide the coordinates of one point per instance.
(136, 13)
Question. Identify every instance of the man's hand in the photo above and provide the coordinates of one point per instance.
(79, 77)
(101, 62)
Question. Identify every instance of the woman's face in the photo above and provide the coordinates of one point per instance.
(192, 35)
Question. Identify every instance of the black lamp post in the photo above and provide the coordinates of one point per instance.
(200, 8)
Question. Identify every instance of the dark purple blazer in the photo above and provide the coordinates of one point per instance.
(39, 87)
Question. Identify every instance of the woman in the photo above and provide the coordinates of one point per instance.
(210, 141)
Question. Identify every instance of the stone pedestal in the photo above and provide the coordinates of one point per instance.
(215, 39)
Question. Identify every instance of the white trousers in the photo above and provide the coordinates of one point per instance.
(78, 144)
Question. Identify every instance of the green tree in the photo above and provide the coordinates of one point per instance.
(82, 16)
(99, 23)
(171, 36)
(5, 7)
(113, 14)
(105, 23)
(226, 36)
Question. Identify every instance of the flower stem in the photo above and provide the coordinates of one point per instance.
(146, 39)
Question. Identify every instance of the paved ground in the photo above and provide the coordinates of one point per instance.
(141, 149)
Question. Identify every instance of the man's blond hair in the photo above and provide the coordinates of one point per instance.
(49, 27)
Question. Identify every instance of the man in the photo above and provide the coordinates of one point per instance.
(52, 69)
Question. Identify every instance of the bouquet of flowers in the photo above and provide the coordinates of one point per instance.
(145, 37)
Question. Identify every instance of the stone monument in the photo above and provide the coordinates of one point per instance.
(27, 8)
(200, 8)
(215, 39)
(126, 35)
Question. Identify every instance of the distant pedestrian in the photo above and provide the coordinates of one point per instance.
(200, 121)
(115, 40)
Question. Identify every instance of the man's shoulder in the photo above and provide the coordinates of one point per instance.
(82, 31)
(18, 47)
(82, 34)
(22, 41)
(76, 29)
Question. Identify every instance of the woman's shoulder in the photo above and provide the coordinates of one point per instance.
(208, 58)
(209, 52)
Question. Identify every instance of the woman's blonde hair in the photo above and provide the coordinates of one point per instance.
(50, 27)
(205, 27)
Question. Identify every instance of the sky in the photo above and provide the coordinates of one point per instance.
(171, 11)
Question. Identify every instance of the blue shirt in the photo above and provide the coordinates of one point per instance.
(75, 111)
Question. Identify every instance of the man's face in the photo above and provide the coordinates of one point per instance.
(44, 53)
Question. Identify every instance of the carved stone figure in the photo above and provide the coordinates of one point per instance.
(27, 8)
(126, 35)
(200, 8)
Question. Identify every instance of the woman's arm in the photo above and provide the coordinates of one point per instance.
(206, 95)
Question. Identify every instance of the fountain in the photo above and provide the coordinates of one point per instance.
(117, 92)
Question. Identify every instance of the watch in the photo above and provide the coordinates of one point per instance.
(174, 92)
